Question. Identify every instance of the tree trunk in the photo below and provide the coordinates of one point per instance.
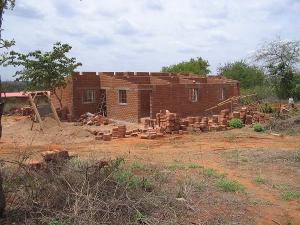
(59, 99)
(2, 198)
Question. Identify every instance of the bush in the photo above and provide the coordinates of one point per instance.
(258, 127)
(266, 108)
(235, 123)
(230, 186)
(84, 192)
(290, 195)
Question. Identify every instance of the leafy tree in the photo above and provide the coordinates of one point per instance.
(279, 58)
(44, 71)
(12, 86)
(196, 66)
(4, 5)
(248, 75)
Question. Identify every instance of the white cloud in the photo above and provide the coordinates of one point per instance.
(141, 35)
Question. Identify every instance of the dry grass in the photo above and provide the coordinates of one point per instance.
(85, 192)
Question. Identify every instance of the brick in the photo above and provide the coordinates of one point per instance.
(147, 94)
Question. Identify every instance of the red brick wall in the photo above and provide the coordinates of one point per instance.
(167, 92)
(176, 98)
(88, 80)
(115, 110)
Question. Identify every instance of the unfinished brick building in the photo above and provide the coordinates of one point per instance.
(129, 96)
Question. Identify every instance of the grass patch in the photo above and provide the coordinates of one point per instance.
(210, 172)
(297, 156)
(176, 166)
(194, 166)
(290, 195)
(260, 180)
(230, 186)
(138, 166)
(134, 182)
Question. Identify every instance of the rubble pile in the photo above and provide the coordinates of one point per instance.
(92, 119)
(24, 111)
(55, 156)
(250, 115)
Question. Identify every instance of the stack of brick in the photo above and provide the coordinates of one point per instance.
(168, 122)
(250, 115)
(151, 134)
(224, 117)
(148, 123)
(204, 124)
(121, 131)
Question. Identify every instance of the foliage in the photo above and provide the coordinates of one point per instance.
(260, 180)
(229, 185)
(262, 92)
(12, 86)
(266, 108)
(4, 5)
(248, 75)
(235, 123)
(196, 66)
(43, 71)
(279, 59)
(210, 172)
(297, 156)
(290, 195)
(258, 127)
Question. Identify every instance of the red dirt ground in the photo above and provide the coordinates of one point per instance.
(207, 149)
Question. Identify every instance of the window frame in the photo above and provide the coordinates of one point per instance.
(222, 95)
(192, 94)
(122, 97)
(93, 96)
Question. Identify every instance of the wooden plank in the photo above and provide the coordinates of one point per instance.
(35, 110)
(53, 109)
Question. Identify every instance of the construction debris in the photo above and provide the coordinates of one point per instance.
(92, 119)
(24, 111)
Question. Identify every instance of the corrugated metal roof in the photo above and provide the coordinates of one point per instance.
(14, 94)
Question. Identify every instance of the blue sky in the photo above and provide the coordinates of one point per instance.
(144, 35)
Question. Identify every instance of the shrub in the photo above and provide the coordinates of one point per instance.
(230, 186)
(258, 127)
(260, 180)
(290, 195)
(266, 108)
(235, 123)
(84, 192)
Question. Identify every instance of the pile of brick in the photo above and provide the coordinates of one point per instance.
(55, 156)
(151, 134)
(24, 111)
(119, 131)
(250, 115)
(167, 122)
(92, 119)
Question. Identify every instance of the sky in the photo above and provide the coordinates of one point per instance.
(145, 35)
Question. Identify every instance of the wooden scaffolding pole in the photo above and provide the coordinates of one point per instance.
(53, 109)
(31, 100)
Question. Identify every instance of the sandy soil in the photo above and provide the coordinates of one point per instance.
(241, 154)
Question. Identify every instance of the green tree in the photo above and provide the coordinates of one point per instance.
(196, 66)
(249, 76)
(280, 58)
(43, 71)
(4, 5)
